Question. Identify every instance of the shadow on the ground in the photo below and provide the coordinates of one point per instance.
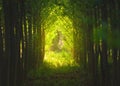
(48, 75)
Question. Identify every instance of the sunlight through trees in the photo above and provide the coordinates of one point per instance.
(59, 43)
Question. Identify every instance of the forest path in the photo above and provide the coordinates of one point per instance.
(75, 78)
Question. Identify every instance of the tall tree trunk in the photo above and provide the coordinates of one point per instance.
(30, 57)
(19, 34)
(91, 55)
(104, 57)
(114, 21)
(6, 7)
(12, 40)
(24, 41)
(1, 50)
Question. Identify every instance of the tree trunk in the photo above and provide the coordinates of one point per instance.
(104, 57)
(91, 55)
(1, 51)
(6, 7)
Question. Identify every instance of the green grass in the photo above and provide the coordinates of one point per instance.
(58, 69)
(55, 62)
(58, 59)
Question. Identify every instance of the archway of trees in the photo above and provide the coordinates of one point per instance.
(58, 36)
(31, 29)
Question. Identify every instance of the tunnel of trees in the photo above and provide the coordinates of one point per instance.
(87, 30)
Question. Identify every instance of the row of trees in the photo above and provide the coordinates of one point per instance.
(96, 38)
(21, 40)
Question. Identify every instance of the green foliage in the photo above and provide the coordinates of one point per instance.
(59, 59)
(55, 63)
(55, 22)
(58, 70)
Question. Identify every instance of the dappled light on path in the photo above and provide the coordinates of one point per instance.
(59, 59)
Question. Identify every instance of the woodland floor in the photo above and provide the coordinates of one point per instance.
(75, 77)
(61, 79)
(58, 69)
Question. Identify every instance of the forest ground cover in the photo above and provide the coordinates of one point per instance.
(58, 69)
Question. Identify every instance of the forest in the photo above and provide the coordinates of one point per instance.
(59, 42)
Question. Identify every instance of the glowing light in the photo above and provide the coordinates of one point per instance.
(58, 37)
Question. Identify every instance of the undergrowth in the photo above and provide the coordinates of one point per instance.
(58, 69)
(55, 63)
